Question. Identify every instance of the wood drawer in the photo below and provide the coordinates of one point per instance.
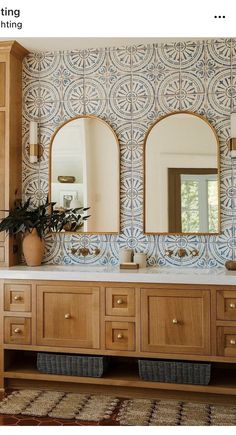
(120, 335)
(17, 330)
(120, 301)
(17, 297)
(226, 340)
(226, 305)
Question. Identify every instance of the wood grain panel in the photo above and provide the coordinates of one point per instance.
(2, 172)
(175, 321)
(2, 84)
(68, 316)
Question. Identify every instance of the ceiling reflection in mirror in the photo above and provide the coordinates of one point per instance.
(84, 172)
(181, 176)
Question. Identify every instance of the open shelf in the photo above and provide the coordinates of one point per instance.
(126, 375)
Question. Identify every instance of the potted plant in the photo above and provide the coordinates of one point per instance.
(35, 223)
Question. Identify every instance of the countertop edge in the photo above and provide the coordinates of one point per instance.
(187, 276)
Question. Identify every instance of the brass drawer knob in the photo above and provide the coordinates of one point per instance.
(119, 336)
(175, 321)
(233, 342)
(67, 316)
(17, 331)
(119, 301)
(232, 305)
(17, 298)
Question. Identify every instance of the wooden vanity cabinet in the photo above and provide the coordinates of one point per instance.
(163, 321)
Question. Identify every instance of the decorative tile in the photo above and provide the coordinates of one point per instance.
(139, 131)
(31, 66)
(220, 91)
(142, 56)
(120, 58)
(36, 187)
(192, 57)
(222, 251)
(94, 89)
(84, 241)
(52, 248)
(74, 61)
(45, 137)
(168, 103)
(227, 193)
(93, 60)
(219, 51)
(121, 109)
(130, 88)
(169, 55)
(137, 193)
(32, 101)
(126, 195)
(191, 84)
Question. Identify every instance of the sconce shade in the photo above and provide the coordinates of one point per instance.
(33, 153)
(33, 132)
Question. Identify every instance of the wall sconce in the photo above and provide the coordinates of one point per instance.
(233, 135)
(34, 147)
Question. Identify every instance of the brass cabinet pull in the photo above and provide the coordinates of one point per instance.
(232, 305)
(233, 342)
(175, 321)
(67, 316)
(119, 301)
(17, 331)
(17, 298)
(119, 336)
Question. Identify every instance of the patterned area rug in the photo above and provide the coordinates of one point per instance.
(132, 412)
(141, 412)
(58, 404)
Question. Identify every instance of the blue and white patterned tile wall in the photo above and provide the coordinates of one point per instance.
(130, 87)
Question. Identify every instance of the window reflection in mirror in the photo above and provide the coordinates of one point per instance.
(85, 172)
(181, 176)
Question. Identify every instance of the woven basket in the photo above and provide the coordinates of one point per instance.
(180, 372)
(72, 365)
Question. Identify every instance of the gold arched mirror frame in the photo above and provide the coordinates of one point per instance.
(145, 171)
(116, 168)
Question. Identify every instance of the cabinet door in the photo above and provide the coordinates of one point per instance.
(68, 316)
(175, 321)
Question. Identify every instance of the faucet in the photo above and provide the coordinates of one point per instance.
(84, 251)
(182, 252)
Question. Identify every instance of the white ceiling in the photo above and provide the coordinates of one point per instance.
(55, 44)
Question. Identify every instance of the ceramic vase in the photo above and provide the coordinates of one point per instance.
(33, 248)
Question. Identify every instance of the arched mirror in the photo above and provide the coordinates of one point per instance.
(84, 172)
(181, 176)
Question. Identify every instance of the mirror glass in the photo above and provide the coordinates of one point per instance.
(85, 172)
(182, 176)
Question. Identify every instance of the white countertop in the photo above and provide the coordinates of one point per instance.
(159, 275)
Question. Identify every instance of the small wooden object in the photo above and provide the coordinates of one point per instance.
(129, 266)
